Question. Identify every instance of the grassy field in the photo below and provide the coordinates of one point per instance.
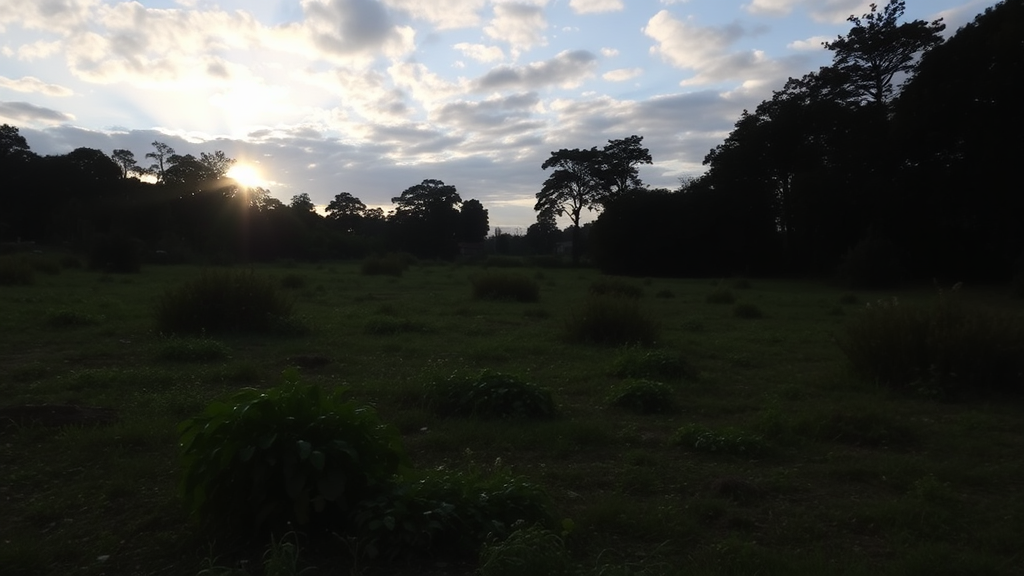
(774, 460)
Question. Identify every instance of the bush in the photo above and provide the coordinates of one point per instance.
(386, 265)
(720, 296)
(643, 397)
(193, 350)
(66, 317)
(615, 287)
(116, 253)
(505, 286)
(749, 311)
(285, 458)
(534, 550)
(872, 264)
(726, 441)
(225, 301)
(946, 348)
(489, 395)
(293, 281)
(648, 364)
(610, 321)
(16, 270)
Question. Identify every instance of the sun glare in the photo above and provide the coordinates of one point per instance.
(246, 175)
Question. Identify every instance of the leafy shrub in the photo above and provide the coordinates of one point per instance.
(66, 317)
(749, 311)
(225, 301)
(386, 265)
(872, 264)
(448, 512)
(15, 270)
(293, 455)
(489, 395)
(726, 441)
(534, 550)
(389, 326)
(505, 286)
(615, 287)
(193, 350)
(720, 296)
(643, 397)
(502, 261)
(947, 348)
(647, 364)
(293, 281)
(116, 253)
(610, 321)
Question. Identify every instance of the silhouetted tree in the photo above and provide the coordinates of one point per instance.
(543, 235)
(574, 184)
(345, 211)
(125, 160)
(473, 222)
(161, 153)
(619, 163)
(427, 219)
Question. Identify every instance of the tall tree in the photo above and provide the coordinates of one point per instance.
(161, 154)
(428, 219)
(473, 222)
(12, 143)
(620, 165)
(879, 47)
(125, 160)
(218, 163)
(574, 184)
(302, 203)
(345, 211)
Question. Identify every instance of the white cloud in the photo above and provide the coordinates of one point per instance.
(595, 6)
(23, 112)
(480, 52)
(568, 69)
(444, 14)
(33, 84)
(38, 50)
(622, 74)
(521, 25)
(609, 52)
(833, 11)
(60, 16)
(812, 43)
(686, 45)
(350, 27)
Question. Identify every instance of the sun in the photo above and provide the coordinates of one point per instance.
(245, 174)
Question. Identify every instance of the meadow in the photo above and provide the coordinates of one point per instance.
(737, 441)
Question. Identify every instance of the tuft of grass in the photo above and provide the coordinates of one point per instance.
(748, 311)
(724, 441)
(490, 395)
(225, 301)
(947, 348)
(615, 287)
(386, 265)
(505, 286)
(193, 350)
(642, 397)
(534, 550)
(68, 318)
(720, 296)
(651, 364)
(610, 321)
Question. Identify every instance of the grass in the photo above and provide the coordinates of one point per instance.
(844, 477)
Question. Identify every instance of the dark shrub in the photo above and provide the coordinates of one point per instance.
(15, 270)
(529, 550)
(664, 293)
(725, 441)
(547, 261)
(872, 264)
(742, 284)
(720, 296)
(615, 287)
(502, 261)
(947, 348)
(66, 318)
(489, 395)
(651, 364)
(505, 286)
(749, 311)
(610, 321)
(225, 301)
(642, 397)
(70, 261)
(293, 281)
(387, 265)
(116, 253)
(284, 458)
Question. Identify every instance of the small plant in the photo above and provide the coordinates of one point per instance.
(720, 296)
(615, 287)
(642, 397)
(726, 441)
(294, 455)
(225, 301)
(748, 311)
(16, 270)
(506, 286)
(490, 395)
(651, 364)
(193, 350)
(293, 281)
(66, 318)
(532, 550)
(386, 265)
(610, 321)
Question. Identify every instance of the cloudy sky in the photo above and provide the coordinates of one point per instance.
(372, 96)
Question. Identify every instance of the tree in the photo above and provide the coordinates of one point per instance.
(186, 171)
(12, 143)
(619, 165)
(218, 163)
(427, 219)
(125, 160)
(473, 222)
(574, 184)
(878, 48)
(543, 235)
(302, 203)
(161, 154)
(346, 211)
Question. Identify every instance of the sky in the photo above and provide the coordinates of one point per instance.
(371, 97)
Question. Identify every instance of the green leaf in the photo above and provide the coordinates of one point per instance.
(317, 459)
(246, 453)
(305, 448)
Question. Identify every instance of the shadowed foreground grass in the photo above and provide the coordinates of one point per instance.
(774, 459)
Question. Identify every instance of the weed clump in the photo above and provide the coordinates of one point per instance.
(944, 349)
(225, 301)
(642, 397)
(505, 286)
(610, 321)
(651, 364)
(725, 441)
(490, 395)
(528, 550)
(193, 350)
(69, 318)
(615, 287)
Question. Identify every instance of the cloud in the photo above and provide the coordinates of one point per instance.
(38, 50)
(609, 52)
(33, 84)
(445, 14)
(60, 16)
(480, 52)
(567, 69)
(833, 11)
(25, 112)
(622, 74)
(346, 27)
(521, 25)
(812, 43)
(497, 116)
(595, 6)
